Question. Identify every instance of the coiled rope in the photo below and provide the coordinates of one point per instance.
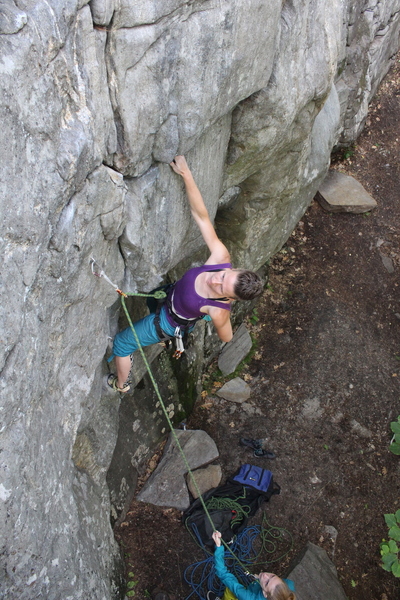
(249, 545)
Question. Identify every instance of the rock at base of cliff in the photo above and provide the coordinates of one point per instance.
(235, 350)
(167, 485)
(315, 576)
(235, 390)
(343, 193)
(206, 479)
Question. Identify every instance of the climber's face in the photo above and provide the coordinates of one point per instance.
(223, 282)
(268, 582)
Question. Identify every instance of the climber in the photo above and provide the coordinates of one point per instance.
(206, 290)
(266, 585)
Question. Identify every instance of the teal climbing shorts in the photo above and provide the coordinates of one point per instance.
(125, 342)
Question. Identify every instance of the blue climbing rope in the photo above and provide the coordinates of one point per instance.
(244, 552)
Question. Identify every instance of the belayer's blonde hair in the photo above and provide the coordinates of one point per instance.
(281, 592)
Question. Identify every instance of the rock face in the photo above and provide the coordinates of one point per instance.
(96, 97)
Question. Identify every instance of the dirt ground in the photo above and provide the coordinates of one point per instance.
(325, 376)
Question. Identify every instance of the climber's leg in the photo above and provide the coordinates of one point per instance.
(125, 344)
(123, 365)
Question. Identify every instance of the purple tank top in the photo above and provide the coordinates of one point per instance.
(186, 301)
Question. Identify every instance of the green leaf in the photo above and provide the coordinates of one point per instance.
(395, 448)
(130, 574)
(131, 584)
(131, 594)
(385, 548)
(388, 560)
(390, 520)
(397, 515)
(394, 532)
(396, 568)
(393, 547)
(395, 426)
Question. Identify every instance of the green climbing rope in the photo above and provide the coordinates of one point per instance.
(240, 512)
(158, 294)
(158, 394)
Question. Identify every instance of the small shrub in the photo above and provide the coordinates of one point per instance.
(395, 443)
(254, 318)
(390, 549)
(132, 583)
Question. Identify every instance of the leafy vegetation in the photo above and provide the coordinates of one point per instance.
(389, 548)
(395, 443)
(132, 583)
(254, 318)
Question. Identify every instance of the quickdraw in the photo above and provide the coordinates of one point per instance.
(98, 272)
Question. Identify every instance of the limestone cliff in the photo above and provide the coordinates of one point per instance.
(96, 98)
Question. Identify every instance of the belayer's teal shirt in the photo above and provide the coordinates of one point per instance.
(253, 592)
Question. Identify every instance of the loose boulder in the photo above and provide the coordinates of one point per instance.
(315, 576)
(235, 350)
(342, 193)
(167, 485)
(206, 479)
(235, 390)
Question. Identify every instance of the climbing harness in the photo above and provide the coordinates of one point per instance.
(183, 324)
(163, 294)
(159, 294)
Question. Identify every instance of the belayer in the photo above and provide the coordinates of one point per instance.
(266, 585)
(206, 290)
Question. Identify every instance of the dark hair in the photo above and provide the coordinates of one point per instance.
(248, 285)
(281, 592)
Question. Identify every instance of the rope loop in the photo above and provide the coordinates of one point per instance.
(159, 294)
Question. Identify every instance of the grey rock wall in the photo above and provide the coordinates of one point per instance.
(96, 97)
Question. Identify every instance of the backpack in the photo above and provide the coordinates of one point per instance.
(230, 506)
(257, 478)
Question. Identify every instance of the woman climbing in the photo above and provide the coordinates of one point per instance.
(207, 290)
(267, 585)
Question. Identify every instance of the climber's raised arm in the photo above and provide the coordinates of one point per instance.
(218, 251)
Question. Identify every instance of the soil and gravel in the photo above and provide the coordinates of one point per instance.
(325, 376)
